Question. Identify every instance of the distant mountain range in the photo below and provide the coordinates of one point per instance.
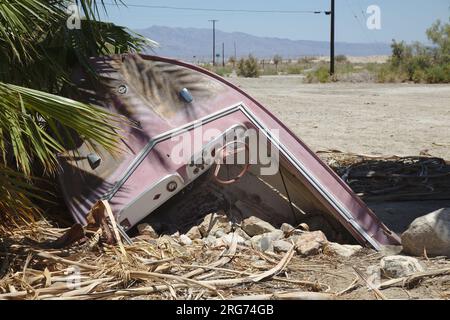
(187, 43)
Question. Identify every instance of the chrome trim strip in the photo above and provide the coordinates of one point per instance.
(311, 179)
(163, 137)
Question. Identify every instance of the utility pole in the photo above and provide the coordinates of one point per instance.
(214, 40)
(332, 40)
(223, 54)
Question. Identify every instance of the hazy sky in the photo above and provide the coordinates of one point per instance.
(400, 19)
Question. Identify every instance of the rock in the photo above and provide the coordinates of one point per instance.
(282, 246)
(254, 226)
(228, 239)
(209, 240)
(311, 243)
(194, 233)
(346, 251)
(147, 230)
(219, 234)
(176, 235)
(391, 250)
(287, 229)
(264, 242)
(242, 234)
(185, 240)
(290, 231)
(430, 233)
(400, 266)
(214, 222)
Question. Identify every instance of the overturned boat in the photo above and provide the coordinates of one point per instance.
(199, 144)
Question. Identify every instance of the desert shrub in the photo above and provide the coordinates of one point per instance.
(341, 58)
(277, 59)
(438, 74)
(386, 74)
(307, 60)
(419, 63)
(224, 71)
(294, 69)
(321, 74)
(248, 68)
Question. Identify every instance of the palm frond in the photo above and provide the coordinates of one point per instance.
(38, 55)
(31, 122)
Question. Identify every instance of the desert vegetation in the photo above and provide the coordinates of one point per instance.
(415, 62)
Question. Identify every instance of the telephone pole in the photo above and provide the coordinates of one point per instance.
(223, 54)
(214, 40)
(332, 40)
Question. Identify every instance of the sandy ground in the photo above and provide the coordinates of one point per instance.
(377, 119)
(356, 59)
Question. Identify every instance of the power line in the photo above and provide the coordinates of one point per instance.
(217, 10)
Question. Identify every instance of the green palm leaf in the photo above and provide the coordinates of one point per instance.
(38, 54)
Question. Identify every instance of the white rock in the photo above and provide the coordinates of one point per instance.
(219, 234)
(185, 240)
(209, 240)
(176, 235)
(228, 239)
(430, 233)
(264, 242)
(400, 266)
(311, 243)
(214, 222)
(194, 233)
(282, 246)
(346, 251)
(254, 226)
(287, 228)
(147, 230)
(242, 234)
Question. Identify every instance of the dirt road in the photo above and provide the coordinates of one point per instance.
(377, 119)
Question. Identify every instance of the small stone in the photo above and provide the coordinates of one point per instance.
(242, 234)
(254, 226)
(287, 229)
(185, 240)
(229, 238)
(282, 246)
(209, 240)
(400, 266)
(176, 235)
(311, 243)
(214, 222)
(345, 251)
(264, 242)
(391, 250)
(194, 233)
(147, 230)
(219, 234)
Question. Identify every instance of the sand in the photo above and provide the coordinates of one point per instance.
(366, 118)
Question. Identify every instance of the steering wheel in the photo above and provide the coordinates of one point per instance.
(223, 154)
